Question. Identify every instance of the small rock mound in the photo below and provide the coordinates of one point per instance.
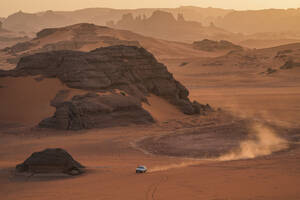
(290, 64)
(51, 161)
(210, 45)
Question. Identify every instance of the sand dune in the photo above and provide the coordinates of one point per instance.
(27, 101)
(175, 148)
(111, 162)
(91, 36)
(161, 110)
(87, 37)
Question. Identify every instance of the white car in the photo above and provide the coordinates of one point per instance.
(141, 169)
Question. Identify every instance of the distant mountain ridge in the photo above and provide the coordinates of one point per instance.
(34, 22)
(86, 37)
(8, 38)
(251, 21)
(255, 21)
(165, 26)
(252, 29)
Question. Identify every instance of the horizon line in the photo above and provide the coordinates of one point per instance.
(150, 8)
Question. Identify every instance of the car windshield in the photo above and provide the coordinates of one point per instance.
(141, 167)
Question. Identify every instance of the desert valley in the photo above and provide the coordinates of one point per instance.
(206, 98)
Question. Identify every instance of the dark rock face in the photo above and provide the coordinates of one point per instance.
(46, 32)
(290, 64)
(4, 73)
(128, 68)
(19, 47)
(51, 161)
(97, 111)
(210, 45)
(202, 109)
(116, 80)
(270, 71)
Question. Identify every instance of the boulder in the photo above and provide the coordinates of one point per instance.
(210, 45)
(202, 109)
(93, 110)
(290, 64)
(51, 161)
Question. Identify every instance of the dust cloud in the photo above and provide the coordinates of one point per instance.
(176, 166)
(263, 142)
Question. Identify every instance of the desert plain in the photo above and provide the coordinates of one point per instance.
(246, 148)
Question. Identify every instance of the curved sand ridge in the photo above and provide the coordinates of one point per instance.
(217, 142)
(26, 100)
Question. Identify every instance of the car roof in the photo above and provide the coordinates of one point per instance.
(141, 166)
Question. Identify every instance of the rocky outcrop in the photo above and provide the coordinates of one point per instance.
(19, 47)
(202, 109)
(86, 37)
(4, 73)
(97, 111)
(210, 45)
(51, 161)
(131, 70)
(46, 32)
(81, 35)
(128, 68)
(164, 25)
(290, 64)
(78, 44)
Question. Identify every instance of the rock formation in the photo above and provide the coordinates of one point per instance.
(51, 161)
(290, 64)
(97, 111)
(21, 21)
(209, 45)
(86, 37)
(127, 68)
(130, 69)
(164, 25)
(81, 35)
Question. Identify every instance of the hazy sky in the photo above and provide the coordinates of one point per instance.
(10, 6)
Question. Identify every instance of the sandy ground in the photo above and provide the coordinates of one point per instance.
(112, 154)
(111, 157)
(161, 110)
(18, 104)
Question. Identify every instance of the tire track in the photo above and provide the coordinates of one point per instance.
(152, 189)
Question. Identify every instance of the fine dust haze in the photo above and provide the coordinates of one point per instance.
(263, 142)
(194, 90)
(175, 166)
(8, 7)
